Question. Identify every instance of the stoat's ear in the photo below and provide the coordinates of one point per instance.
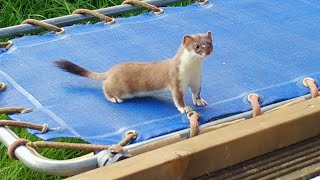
(209, 35)
(187, 40)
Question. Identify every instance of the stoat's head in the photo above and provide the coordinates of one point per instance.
(200, 44)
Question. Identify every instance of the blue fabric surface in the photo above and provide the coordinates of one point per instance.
(266, 47)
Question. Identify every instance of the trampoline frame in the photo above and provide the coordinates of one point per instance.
(76, 18)
(75, 166)
(79, 165)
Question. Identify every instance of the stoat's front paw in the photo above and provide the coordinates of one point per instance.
(116, 100)
(200, 102)
(185, 109)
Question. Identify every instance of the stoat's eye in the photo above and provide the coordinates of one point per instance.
(197, 46)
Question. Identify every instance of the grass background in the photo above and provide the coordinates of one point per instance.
(13, 169)
(13, 12)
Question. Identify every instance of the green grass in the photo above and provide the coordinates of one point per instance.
(13, 12)
(13, 169)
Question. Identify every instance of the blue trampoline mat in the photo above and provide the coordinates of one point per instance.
(266, 47)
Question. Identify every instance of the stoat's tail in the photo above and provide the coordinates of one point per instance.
(77, 70)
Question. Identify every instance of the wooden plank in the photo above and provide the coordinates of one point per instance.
(220, 148)
(305, 173)
(274, 165)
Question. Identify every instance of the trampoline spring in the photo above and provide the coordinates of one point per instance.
(5, 46)
(2, 86)
(14, 110)
(310, 83)
(156, 10)
(96, 14)
(51, 27)
(193, 117)
(254, 100)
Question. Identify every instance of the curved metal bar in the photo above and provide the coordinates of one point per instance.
(38, 163)
(76, 18)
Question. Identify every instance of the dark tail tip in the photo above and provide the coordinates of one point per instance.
(71, 67)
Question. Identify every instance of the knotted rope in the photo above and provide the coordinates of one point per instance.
(254, 100)
(193, 117)
(45, 25)
(203, 2)
(6, 45)
(131, 135)
(155, 9)
(14, 110)
(14, 146)
(96, 14)
(43, 128)
(310, 83)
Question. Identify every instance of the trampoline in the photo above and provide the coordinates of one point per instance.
(263, 47)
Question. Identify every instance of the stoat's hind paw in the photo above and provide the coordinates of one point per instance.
(185, 109)
(116, 100)
(200, 102)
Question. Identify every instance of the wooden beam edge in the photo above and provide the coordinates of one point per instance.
(220, 148)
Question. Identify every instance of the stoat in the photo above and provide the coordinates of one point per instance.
(132, 79)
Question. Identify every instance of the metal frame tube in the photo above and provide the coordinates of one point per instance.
(49, 166)
(76, 18)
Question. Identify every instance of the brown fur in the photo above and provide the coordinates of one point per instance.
(129, 79)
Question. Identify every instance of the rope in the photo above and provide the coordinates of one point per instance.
(71, 146)
(3, 86)
(203, 2)
(44, 24)
(14, 110)
(310, 83)
(15, 145)
(154, 8)
(103, 17)
(6, 45)
(130, 135)
(193, 117)
(43, 128)
(254, 100)
(79, 146)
